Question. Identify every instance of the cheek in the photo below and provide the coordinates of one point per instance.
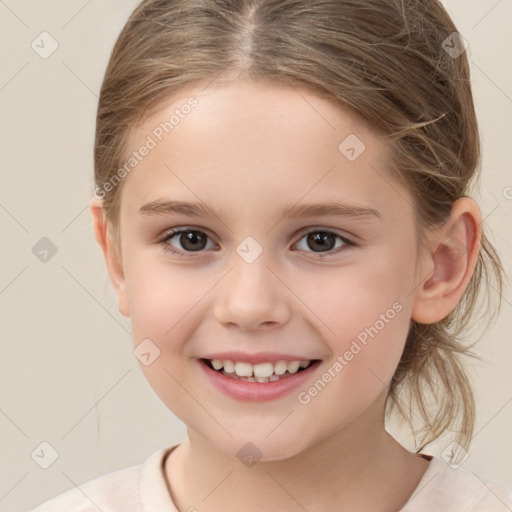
(162, 298)
(348, 300)
(364, 315)
(370, 332)
(162, 301)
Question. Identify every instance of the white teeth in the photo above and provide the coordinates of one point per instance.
(293, 367)
(280, 367)
(217, 364)
(229, 366)
(262, 372)
(243, 369)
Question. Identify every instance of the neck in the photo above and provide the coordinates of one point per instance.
(360, 467)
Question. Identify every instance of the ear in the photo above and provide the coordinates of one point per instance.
(112, 258)
(447, 263)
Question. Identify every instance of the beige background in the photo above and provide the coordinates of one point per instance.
(68, 375)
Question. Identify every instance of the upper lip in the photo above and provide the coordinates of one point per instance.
(256, 358)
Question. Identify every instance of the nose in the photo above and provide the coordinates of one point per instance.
(252, 296)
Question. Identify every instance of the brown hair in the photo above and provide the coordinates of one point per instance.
(386, 60)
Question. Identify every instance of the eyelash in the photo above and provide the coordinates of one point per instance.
(348, 244)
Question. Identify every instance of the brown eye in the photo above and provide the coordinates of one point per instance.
(189, 240)
(192, 240)
(320, 241)
(323, 240)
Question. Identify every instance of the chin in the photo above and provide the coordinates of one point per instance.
(261, 449)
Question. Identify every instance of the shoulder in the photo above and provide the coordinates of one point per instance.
(447, 488)
(118, 490)
(114, 489)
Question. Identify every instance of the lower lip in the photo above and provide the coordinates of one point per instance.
(257, 391)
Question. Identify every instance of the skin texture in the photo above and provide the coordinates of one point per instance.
(251, 151)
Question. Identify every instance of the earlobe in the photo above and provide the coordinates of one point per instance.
(451, 255)
(112, 258)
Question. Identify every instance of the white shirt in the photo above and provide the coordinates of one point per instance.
(143, 488)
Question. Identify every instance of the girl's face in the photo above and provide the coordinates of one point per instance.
(269, 276)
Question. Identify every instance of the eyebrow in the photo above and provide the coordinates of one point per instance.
(332, 208)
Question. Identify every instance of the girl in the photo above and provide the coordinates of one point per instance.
(282, 203)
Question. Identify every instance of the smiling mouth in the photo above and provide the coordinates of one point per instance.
(263, 372)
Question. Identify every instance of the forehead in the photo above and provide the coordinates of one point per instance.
(254, 110)
(259, 142)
